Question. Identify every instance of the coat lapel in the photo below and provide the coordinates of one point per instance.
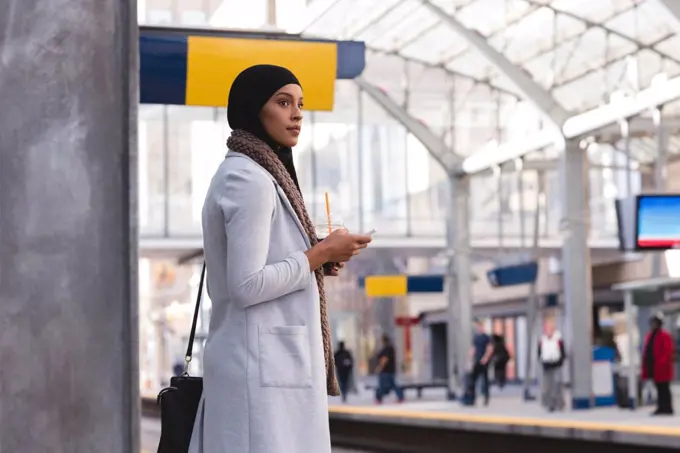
(280, 192)
(286, 202)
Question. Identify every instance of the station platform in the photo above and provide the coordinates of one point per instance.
(507, 416)
(151, 431)
(507, 413)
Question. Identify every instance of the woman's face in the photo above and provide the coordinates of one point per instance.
(281, 116)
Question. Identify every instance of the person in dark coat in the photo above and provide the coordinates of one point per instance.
(344, 365)
(500, 359)
(657, 363)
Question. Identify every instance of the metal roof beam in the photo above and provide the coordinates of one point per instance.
(673, 7)
(522, 81)
(437, 148)
(593, 122)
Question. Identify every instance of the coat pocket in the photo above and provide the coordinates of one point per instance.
(285, 359)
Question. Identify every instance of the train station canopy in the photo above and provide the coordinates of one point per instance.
(485, 73)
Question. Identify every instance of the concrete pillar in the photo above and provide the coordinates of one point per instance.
(577, 279)
(459, 282)
(68, 249)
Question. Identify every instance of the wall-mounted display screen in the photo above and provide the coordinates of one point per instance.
(658, 222)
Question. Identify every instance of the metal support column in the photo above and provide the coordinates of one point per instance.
(459, 284)
(68, 241)
(498, 174)
(577, 279)
(632, 371)
(625, 136)
(312, 158)
(360, 155)
(659, 175)
(532, 301)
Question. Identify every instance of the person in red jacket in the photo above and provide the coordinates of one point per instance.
(657, 363)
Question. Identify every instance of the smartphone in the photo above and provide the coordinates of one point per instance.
(371, 233)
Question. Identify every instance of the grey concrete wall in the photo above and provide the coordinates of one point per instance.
(68, 257)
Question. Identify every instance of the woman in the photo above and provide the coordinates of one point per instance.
(268, 360)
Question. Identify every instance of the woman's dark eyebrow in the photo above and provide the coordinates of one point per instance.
(288, 95)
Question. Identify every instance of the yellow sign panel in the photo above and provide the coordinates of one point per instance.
(213, 63)
(386, 285)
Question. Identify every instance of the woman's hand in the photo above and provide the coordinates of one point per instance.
(335, 271)
(341, 246)
(338, 247)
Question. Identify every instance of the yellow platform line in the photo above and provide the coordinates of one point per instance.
(505, 420)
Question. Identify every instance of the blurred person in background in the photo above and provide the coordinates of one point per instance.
(480, 355)
(551, 356)
(500, 359)
(268, 359)
(623, 339)
(344, 364)
(387, 372)
(657, 363)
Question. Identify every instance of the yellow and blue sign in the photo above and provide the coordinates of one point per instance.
(197, 67)
(401, 285)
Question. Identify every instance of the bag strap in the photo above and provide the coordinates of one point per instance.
(190, 346)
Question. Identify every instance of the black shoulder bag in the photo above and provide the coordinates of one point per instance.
(179, 402)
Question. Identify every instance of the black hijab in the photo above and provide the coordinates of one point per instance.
(250, 91)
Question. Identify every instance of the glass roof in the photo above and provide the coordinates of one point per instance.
(581, 51)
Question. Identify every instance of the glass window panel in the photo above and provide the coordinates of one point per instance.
(649, 65)
(519, 119)
(593, 11)
(435, 45)
(670, 46)
(487, 16)
(327, 159)
(484, 207)
(388, 73)
(614, 78)
(347, 17)
(407, 30)
(428, 87)
(390, 20)
(151, 162)
(595, 48)
(463, 88)
(232, 15)
(646, 23)
(329, 22)
(304, 157)
(528, 37)
(193, 18)
(503, 83)
(590, 53)
(542, 69)
(428, 191)
(159, 17)
(672, 108)
(568, 27)
(382, 159)
(582, 94)
(618, 47)
(451, 6)
(195, 148)
(475, 126)
(473, 64)
(673, 148)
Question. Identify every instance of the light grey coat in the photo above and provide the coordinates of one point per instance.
(264, 373)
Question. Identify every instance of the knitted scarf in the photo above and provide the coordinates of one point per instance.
(248, 144)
